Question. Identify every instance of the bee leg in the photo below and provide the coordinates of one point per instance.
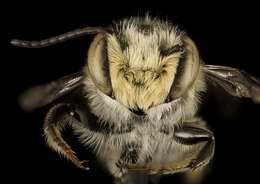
(57, 118)
(193, 134)
(196, 131)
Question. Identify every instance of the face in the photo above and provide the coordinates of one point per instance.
(143, 61)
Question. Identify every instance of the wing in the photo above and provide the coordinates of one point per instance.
(46, 93)
(234, 81)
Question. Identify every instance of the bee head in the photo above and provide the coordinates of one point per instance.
(143, 62)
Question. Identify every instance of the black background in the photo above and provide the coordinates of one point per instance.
(225, 35)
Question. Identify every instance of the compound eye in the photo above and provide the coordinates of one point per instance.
(187, 71)
(98, 65)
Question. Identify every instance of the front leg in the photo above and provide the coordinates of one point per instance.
(193, 133)
(197, 177)
(57, 118)
(191, 146)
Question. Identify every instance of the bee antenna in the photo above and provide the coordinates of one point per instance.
(57, 39)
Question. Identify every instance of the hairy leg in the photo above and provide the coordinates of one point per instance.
(57, 118)
(191, 147)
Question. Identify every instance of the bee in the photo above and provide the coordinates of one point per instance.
(135, 101)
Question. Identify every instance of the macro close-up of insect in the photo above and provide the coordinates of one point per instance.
(135, 101)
